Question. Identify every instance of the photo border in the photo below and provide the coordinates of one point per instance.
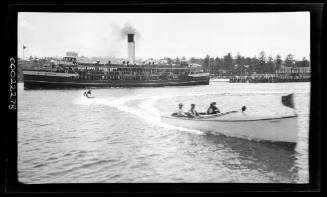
(12, 185)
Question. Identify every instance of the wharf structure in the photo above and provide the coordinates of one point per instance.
(285, 74)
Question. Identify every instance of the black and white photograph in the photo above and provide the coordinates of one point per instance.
(163, 97)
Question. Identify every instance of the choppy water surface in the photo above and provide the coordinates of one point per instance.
(64, 137)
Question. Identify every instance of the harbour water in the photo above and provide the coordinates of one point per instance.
(117, 136)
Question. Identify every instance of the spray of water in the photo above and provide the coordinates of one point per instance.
(145, 110)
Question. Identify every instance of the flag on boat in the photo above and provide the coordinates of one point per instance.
(288, 100)
(24, 47)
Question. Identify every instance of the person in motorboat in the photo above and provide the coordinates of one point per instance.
(192, 112)
(180, 112)
(213, 109)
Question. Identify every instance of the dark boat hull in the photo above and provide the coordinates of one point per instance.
(66, 84)
(62, 85)
(37, 79)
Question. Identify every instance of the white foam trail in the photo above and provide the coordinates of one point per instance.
(85, 101)
(148, 112)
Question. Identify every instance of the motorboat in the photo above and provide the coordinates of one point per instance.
(240, 124)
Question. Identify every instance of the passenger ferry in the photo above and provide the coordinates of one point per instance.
(69, 73)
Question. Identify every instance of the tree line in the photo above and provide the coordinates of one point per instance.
(247, 65)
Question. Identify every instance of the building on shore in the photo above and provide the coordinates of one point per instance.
(71, 54)
(284, 74)
(296, 72)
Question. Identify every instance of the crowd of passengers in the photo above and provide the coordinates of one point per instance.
(121, 74)
(212, 109)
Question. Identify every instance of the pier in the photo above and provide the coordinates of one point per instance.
(272, 78)
(285, 74)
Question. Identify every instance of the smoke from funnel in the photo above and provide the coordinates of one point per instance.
(126, 33)
(128, 29)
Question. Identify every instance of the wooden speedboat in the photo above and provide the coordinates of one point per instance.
(276, 129)
(242, 125)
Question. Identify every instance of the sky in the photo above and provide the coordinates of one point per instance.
(161, 35)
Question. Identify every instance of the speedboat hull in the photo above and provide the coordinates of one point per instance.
(280, 129)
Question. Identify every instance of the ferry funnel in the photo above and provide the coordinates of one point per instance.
(130, 48)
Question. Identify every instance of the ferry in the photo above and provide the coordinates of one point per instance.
(70, 73)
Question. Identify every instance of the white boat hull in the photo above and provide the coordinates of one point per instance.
(283, 129)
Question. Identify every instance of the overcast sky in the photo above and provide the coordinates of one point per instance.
(165, 34)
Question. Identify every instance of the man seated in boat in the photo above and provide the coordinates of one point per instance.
(213, 109)
(180, 112)
(192, 112)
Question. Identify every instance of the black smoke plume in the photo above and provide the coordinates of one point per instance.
(129, 29)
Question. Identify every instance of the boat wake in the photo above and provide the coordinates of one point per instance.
(142, 107)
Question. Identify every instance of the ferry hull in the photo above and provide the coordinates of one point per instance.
(63, 85)
(47, 84)
(37, 79)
